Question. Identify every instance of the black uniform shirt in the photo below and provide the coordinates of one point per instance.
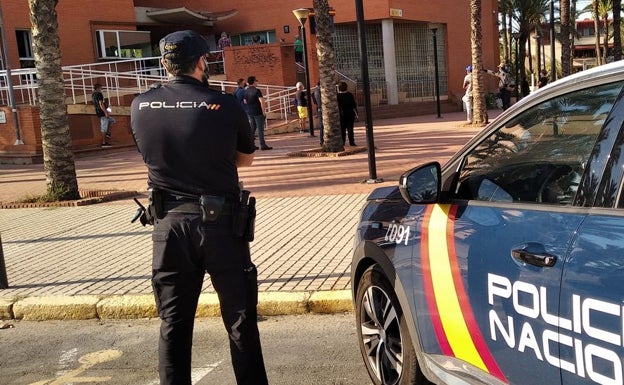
(188, 136)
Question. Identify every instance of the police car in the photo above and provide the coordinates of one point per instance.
(506, 265)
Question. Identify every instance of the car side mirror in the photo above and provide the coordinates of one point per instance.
(421, 184)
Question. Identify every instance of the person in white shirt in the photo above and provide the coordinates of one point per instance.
(467, 98)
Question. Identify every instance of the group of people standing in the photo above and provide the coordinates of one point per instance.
(506, 86)
(347, 108)
(252, 101)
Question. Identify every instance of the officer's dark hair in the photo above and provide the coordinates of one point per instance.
(176, 68)
(251, 80)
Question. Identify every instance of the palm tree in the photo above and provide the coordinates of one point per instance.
(476, 36)
(573, 16)
(503, 9)
(566, 51)
(595, 15)
(529, 15)
(332, 141)
(58, 158)
(617, 32)
(604, 7)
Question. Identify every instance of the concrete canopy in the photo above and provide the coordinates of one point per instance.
(182, 15)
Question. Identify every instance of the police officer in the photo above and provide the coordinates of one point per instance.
(192, 140)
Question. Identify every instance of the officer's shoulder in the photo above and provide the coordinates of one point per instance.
(154, 87)
(221, 94)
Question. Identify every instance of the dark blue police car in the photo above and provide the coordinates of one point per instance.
(506, 265)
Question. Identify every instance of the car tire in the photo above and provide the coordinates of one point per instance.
(383, 337)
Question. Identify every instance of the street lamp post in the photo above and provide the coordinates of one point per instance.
(437, 74)
(361, 26)
(302, 15)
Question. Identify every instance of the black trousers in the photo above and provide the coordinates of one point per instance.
(505, 95)
(346, 128)
(184, 249)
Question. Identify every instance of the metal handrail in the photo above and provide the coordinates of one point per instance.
(125, 77)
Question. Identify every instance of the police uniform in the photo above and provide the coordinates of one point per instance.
(188, 136)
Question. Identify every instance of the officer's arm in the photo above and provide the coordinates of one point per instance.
(262, 105)
(243, 159)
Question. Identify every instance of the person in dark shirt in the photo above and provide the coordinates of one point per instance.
(256, 110)
(192, 140)
(316, 97)
(348, 111)
(239, 93)
(102, 112)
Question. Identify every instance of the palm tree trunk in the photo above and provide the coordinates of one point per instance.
(565, 37)
(325, 51)
(58, 157)
(505, 34)
(476, 35)
(617, 32)
(605, 45)
(572, 32)
(597, 29)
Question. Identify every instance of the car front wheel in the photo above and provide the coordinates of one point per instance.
(383, 336)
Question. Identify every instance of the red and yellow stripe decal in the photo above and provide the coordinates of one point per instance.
(452, 317)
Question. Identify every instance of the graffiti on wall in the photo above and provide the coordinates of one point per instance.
(256, 56)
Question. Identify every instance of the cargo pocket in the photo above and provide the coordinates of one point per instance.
(159, 248)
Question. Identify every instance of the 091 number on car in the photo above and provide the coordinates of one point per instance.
(397, 233)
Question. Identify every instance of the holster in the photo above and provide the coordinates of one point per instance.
(156, 206)
(211, 207)
(244, 217)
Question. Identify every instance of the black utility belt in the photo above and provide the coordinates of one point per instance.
(211, 207)
(192, 207)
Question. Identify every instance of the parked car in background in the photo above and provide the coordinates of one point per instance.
(505, 265)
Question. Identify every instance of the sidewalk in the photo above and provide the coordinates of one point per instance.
(91, 262)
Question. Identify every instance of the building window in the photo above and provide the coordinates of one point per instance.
(248, 38)
(113, 44)
(24, 48)
(415, 67)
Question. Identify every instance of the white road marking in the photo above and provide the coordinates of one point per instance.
(196, 374)
(65, 360)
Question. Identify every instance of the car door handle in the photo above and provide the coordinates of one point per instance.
(539, 258)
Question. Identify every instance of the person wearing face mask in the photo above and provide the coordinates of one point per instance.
(193, 139)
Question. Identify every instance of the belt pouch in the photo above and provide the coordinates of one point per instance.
(251, 220)
(239, 220)
(155, 199)
(211, 207)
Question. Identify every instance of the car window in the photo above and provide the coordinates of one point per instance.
(538, 156)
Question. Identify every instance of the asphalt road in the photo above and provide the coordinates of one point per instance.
(307, 350)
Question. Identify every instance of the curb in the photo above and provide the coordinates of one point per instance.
(142, 306)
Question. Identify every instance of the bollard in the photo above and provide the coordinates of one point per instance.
(4, 283)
